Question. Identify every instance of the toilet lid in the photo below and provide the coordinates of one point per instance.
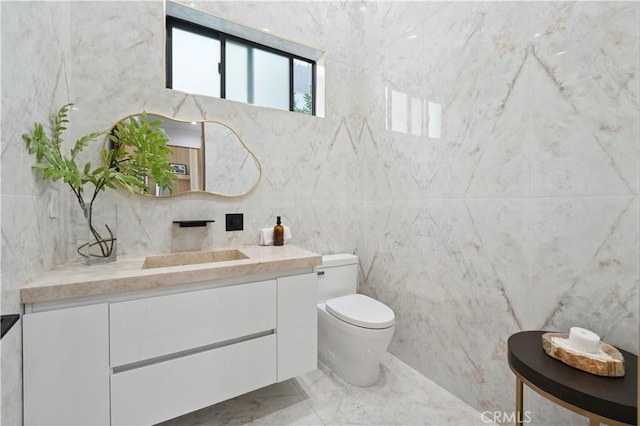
(361, 311)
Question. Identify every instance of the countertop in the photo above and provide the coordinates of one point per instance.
(126, 274)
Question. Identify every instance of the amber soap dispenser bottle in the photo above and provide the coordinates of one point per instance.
(278, 233)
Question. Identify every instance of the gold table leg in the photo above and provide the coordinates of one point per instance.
(518, 401)
(594, 419)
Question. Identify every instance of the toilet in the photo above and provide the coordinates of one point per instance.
(354, 330)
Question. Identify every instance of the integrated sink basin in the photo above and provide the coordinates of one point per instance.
(192, 258)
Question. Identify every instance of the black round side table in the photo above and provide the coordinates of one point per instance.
(610, 400)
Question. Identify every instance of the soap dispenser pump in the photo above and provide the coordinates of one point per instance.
(278, 233)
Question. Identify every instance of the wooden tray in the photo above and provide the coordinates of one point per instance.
(612, 367)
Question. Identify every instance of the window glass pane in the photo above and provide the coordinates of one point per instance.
(270, 79)
(302, 83)
(236, 75)
(195, 61)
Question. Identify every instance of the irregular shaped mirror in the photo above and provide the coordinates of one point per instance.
(208, 156)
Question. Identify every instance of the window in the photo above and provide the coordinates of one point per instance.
(189, 70)
(206, 61)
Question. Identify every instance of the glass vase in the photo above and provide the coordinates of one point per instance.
(96, 228)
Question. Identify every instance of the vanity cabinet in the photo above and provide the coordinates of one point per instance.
(177, 353)
(66, 366)
(297, 325)
(180, 322)
(152, 357)
(168, 389)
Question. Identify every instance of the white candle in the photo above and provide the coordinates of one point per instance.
(584, 340)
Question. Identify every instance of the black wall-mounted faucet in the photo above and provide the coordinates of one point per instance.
(192, 223)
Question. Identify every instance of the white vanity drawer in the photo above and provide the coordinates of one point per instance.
(66, 366)
(148, 328)
(162, 391)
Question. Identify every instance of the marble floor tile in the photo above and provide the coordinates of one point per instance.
(402, 397)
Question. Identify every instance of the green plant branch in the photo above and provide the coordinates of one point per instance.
(139, 150)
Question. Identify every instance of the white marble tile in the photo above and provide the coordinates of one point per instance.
(113, 76)
(32, 243)
(569, 158)
(278, 404)
(504, 166)
(338, 175)
(582, 247)
(599, 83)
(401, 397)
(463, 57)
(594, 88)
(146, 225)
(503, 236)
(320, 25)
(34, 86)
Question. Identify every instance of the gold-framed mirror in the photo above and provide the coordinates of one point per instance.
(208, 156)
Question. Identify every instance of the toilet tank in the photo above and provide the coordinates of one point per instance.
(337, 276)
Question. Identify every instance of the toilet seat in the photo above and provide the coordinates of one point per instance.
(361, 311)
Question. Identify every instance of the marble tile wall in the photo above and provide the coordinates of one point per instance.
(35, 81)
(307, 161)
(524, 214)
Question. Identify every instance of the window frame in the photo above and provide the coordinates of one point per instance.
(222, 37)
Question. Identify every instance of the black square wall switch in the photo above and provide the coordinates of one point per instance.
(235, 222)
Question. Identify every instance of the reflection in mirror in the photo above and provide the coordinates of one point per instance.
(207, 156)
(185, 140)
(231, 168)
